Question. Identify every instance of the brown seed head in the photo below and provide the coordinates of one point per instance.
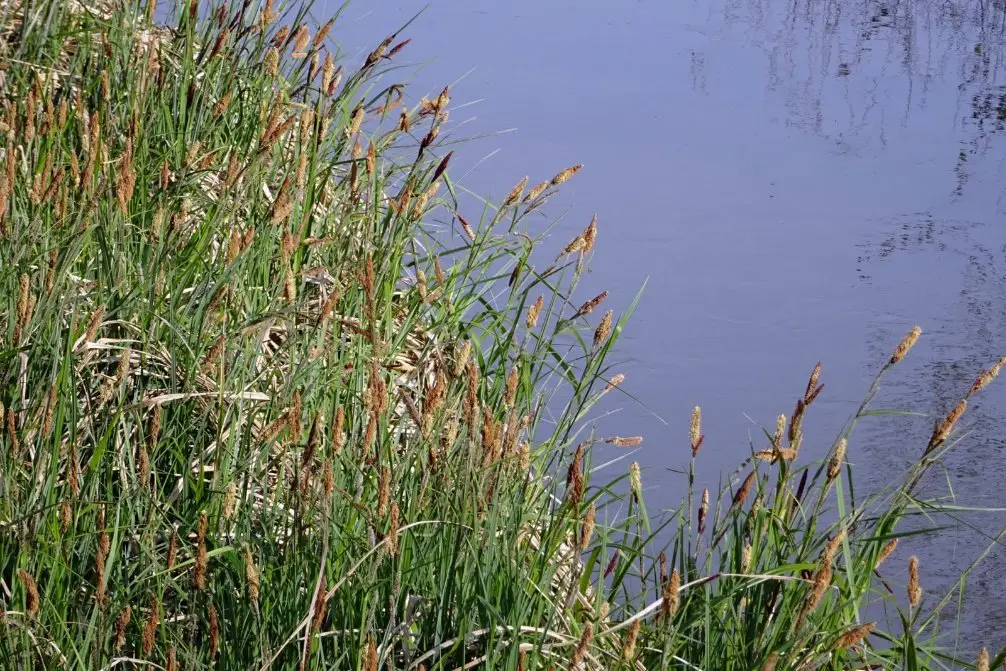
(854, 636)
(703, 511)
(393, 530)
(603, 330)
(943, 429)
(536, 191)
(914, 588)
(618, 379)
(202, 555)
(574, 477)
(150, 627)
(744, 490)
(31, 599)
(120, 627)
(172, 548)
(625, 441)
(587, 528)
(214, 631)
(581, 648)
(384, 491)
(589, 306)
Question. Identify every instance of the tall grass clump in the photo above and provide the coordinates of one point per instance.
(271, 400)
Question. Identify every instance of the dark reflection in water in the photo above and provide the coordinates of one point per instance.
(797, 181)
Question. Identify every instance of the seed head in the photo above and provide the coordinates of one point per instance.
(886, 552)
(392, 538)
(533, 311)
(914, 589)
(703, 511)
(603, 330)
(581, 648)
(854, 636)
(565, 175)
(613, 382)
(629, 648)
(905, 345)
(983, 660)
(251, 575)
(628, 441)
(31, 599)
(587, 528)
(695, 430)
(635, 481)
(835, 465)
(120, 627)
(514, 194)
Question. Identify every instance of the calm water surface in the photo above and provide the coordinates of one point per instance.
(796, 181)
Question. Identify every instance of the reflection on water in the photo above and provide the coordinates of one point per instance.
(797, 180)
(849, 71)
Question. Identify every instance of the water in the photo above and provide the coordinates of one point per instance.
(797, 181)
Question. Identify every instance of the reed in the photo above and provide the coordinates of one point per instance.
(258, 410)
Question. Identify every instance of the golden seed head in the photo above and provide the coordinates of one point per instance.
(511, 387)
(835, 465)
(695, 430)
(983, 660)
(614, 382)
(886, 552)
(746, 558)
(172, 548)
(629, 648)
(703, 510)
(565, 175)
(914, 588)
(590, 235)
(515, 193)
(251, 575)
(355, 122)
(533, 311)
(536, 191)
(271, 62)
(905, 345)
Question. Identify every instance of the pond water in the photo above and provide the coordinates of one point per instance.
(796, 181)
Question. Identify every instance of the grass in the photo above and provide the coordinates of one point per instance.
(271, 400)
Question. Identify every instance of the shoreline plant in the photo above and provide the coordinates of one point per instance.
(272, 400)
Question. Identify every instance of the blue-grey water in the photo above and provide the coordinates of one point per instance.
(796, 180)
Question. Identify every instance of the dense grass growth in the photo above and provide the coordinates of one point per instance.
(270, 400)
